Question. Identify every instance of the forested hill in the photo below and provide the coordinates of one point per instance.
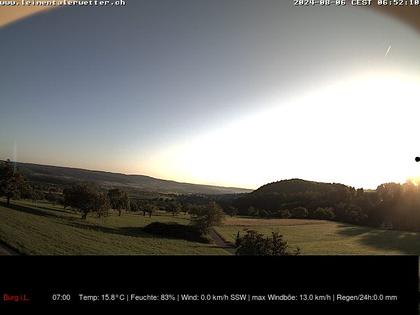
(66, 175)
(390, 205)
(291, 193)
(296, 185)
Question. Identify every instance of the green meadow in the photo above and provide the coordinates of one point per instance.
(45, 229)
(317, 237)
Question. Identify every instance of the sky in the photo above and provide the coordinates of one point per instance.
(12, 14)
(233, 92)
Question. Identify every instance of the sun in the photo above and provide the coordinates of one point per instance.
(360, 130)
(414, 180)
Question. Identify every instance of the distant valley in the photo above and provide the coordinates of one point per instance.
(66, 175)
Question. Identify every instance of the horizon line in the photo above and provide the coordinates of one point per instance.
(128, 174)
(183, 182)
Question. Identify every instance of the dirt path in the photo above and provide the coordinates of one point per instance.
(220, 242)
(6, 250)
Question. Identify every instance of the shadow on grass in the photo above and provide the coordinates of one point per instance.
(36, 210)
(56, 210)
(353, 230)
(408, 243)
(132, 231)
(124, 231)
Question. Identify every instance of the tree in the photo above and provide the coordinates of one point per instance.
(11, 181)
(285, 214)
(389, 192)
(174, 208)
(299, 213)
(238, 239)
(264, 213)
(85, 198)
(256, 244)
(135, 205)
(140, 205)
(185, 206)
(37, 195)
(390, 195)
(231, 211)
(354, 214)
(205, 217)
(119, 200)
(150, 208)
(102, 204)
(252, 211)
(52, 196)
(324, 213)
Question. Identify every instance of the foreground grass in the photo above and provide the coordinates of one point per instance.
(316, 237)
(44, 229)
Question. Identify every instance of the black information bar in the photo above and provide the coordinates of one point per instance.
(388, 283)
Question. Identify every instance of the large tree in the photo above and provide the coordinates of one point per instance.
(205, 217)
(11, 181)
(119, 200)
(174, 207)
(85, 198)
(150, 208)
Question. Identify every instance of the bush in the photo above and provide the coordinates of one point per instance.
(324, 214)
(54, 198)
(285, 214)
(354, 214)
(176, 230)
(205, 217)
(255, 244)
(252, 211)
(299, 213)
(231, 211)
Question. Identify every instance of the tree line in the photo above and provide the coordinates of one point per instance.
(88, 198)
(391, 205)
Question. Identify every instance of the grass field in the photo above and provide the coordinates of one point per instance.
(316, 237)
(44, 229)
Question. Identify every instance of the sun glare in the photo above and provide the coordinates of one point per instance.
(361, 131)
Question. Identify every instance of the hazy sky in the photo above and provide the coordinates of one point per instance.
(228, 92)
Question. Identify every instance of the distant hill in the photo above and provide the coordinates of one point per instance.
(66, 175)
(296, 185)
(287, 194)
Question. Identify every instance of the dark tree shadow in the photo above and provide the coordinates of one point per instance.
(31, 210)
(56, 210)
(352, 230)
(125, 231)
(408, 243)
